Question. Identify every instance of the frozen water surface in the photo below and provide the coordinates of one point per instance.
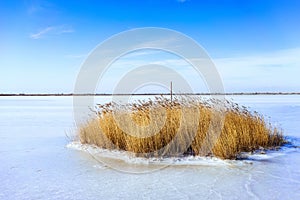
(35, 162)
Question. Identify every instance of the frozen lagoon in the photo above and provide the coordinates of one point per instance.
(36, 164)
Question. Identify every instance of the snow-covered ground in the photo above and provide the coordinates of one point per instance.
(37, 162)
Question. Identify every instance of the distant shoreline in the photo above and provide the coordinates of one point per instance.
(155, 94)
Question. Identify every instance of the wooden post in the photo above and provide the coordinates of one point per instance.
(171, 92)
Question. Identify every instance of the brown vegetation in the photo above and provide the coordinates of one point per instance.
(182, 126)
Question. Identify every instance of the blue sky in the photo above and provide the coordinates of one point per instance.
(255, 44)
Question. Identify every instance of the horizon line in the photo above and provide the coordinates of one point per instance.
(147, 94)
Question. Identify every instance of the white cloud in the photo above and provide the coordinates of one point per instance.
(276, 71)
(42, 32)
(51, 30)
(279, 58)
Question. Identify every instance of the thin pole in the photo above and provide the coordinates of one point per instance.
(171, 92)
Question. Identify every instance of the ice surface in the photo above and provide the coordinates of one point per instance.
(36, 163)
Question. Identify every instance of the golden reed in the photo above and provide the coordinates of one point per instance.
(242, 130)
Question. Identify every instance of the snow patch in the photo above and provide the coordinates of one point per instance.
(130, 157)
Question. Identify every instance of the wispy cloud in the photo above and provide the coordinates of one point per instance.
(41, 33)
(275, 71)
(51, 30)
(280, 58)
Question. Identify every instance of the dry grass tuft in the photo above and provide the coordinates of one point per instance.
(187, 123)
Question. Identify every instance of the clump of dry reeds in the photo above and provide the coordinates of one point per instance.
(185, 125)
